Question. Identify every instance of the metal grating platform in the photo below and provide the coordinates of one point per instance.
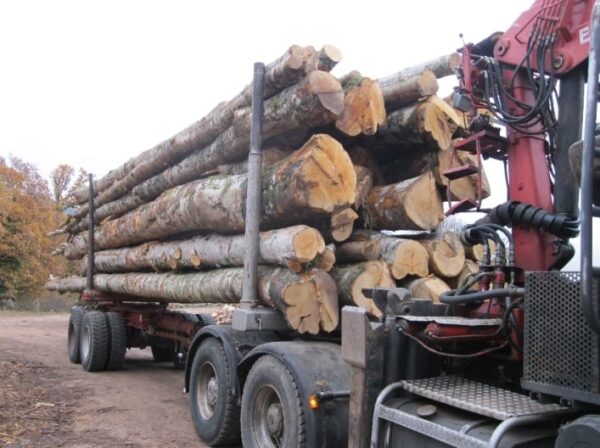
(482, 399)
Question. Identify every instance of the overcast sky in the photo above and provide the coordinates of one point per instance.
(94, 83)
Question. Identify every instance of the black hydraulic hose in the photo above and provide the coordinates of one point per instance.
(587, 160)
(450, 298)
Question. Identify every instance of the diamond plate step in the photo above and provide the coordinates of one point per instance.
(479, 398)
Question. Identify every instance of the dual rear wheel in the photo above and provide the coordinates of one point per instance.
(271, 413)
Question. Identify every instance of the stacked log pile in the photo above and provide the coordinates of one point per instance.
(343, 160)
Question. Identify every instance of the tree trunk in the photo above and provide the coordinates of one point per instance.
(351, 279)
(316, 180)
(354, 251)
(464, 187)
(285, 71)
(427, 288)
(406, 91)
(404, 256)
(315, 101)
(441, 67)
(429, 123)
(291, 247)
(471, 267)
(308, 301)
(446, 255)
(364, 109)
(413, 204)
(364, 184)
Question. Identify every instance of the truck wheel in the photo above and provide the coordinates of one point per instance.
(272, 414)
(74, 333)
(94, 342)
(118, 341)
(215, 412)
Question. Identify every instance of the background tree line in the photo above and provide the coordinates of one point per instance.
(30, 207)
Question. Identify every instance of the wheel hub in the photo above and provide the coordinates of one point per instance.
(212, 392)
(275, 420)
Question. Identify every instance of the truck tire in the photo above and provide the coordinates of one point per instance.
(94, 341)
(118, 341)
(215, 412)
(74, 333)
(272, 414)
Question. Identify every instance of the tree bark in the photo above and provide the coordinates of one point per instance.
(413, 204)
(441, 67)
(427, 288)
(291, 247)
(404, 256)
(285, 71)
(351, 279)
(364, 184)
(316, 180)
(429, 123)
(364, 109)
(446, 255)
(308, 301)
(464, 187)
(355, 251)
(405, 91)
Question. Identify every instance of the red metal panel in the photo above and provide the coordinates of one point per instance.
(568, 19)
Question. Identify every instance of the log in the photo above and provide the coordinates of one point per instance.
(325, 261)
(464, 187)
(405, 257)
(364, 184)
(476, 252)
(364, 109)
(325, 59)
(285, 71)
(405, 91)
(354, 251)
(441, 67)
(430, 123)
(470, 267)
(291, 247)
(308, 301)
(351, 279)
(446, 255)
(427, 288)
(413, 204)
(315, 101)
(270, 156)
(317, 180)
(339, 226)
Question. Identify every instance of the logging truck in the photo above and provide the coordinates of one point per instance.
(473, 338)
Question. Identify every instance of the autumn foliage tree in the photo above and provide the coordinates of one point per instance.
(28, 211)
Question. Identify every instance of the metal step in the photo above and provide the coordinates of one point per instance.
(492, 144)
(479, 398)
(460, 171)
(461, 206)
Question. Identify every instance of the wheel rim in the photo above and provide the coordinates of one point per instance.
(268, 418)
(85, 342)
(207, 390)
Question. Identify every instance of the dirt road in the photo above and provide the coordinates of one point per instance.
(46, 401)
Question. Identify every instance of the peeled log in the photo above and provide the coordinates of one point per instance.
(404, 256)
(308, 301)
(317, 180)
(405, 91)
(441, 66)
(464, 187)
(413, 204)
(285, 71)
(430, 122)
(364, 109)
(291, 247)
(353, 278)
(446, 255)
(427, 288)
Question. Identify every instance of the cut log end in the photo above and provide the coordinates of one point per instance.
(410, 258)
(342, 224)
(328, 89)
(428, 288)
(307, 244)
(440, 120)
(446, 255)
(326, 260)
(375, 274)
(364, 109)
(312, 303)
